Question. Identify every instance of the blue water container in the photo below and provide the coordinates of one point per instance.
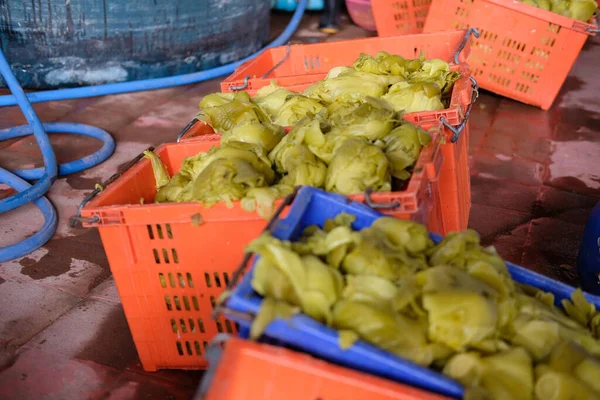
(58, 43)
(588, 261)
(290, 5)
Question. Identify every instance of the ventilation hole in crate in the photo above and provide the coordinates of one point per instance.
(548, 41)
(205, 345)
(156, 257)
(197, 348)
(228, 326)
(177, 303)
(150, 233)
(305, 63)
(180, 280)
(217, 279)
(179, 348)
(237, 326)
(201, 325)
(171, 280)
(166, 256)
(212, 301)
(399, 5)
(188, 347)
(159, 231)
(207, 278)
(189, 280)
(536, 51)
(226, 277)
(175, 256)
(162, 280)
(168, 303)
(186, 303)
(169, 231)
(192, 325)
(318, 60)
(174, 325)
(195, 303)
(219, 327)
(521, 87)
(183, 326)
(553, 28)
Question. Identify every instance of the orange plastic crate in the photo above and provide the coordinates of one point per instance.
(399, 17)
(296, 67)
(299, 66)
(169, 268)
(251, 371)
(523, 53)
(453, 188)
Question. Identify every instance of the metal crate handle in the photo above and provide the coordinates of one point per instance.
(456, 130)
(470, 31)
(242, 86)
(186, 129)
(379, 206)
(269, 72)
(77, 218)
(592, 30)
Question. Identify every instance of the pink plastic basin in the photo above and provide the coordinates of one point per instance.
(361, 14)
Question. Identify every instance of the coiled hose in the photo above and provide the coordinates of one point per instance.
(47, 175)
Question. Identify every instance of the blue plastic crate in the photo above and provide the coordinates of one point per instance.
(290, 5)
(314, 207)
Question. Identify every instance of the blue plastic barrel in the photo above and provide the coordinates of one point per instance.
(58, 43)
(588, 261)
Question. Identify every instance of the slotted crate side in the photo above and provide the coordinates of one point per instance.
(169, 286)
(523, 53)
(399, 17)
(306, 64)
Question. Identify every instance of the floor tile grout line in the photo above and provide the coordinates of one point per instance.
(103, 299)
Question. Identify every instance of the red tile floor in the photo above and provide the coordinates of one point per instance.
(63, 334)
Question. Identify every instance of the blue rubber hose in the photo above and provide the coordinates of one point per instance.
(46, 176)
(50, 168)
(38, 239)
(158, 83)
(108, 146)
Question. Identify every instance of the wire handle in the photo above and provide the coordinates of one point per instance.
(287, 55)
(456, 131)
(77, 218)
(470, 31)
(379, 206)
(242, 86)
(186, 129)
